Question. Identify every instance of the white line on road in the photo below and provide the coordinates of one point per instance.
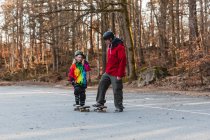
(184, 111)
(198, 103)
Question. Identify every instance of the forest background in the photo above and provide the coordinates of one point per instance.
(167, 41)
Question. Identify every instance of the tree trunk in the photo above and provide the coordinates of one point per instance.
(98, 49)
(20, 32)
(129, 41)
(113, 20)
(162, 31)
(181, 24)
(133, 17)
(104, 28)
(139, 33)
(202, 26)
(177, 26)
(152, 24)
(91, 52)
(13, 46)
(206, 22)
(193, 34)
(73, 28)
(41, 49)
(173, 46)
(57, 36)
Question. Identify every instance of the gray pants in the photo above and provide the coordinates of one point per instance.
(117, 85)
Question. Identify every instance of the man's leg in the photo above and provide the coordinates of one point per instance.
(102, 88)
(118, 92)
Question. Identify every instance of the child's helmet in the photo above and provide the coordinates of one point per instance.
(78, 52)
(108, 35)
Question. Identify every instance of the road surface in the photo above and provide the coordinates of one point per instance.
(45, 113)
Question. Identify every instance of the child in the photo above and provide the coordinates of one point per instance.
(77, 77)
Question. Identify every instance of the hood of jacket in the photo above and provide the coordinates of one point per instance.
(115, 43)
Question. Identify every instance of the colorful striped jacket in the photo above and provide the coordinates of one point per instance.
(77, 73)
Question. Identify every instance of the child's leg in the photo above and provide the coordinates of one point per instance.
(82, 97)
(77, 95)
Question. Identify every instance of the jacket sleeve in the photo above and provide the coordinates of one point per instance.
(71, 73)
(87, 66)
(122, 61)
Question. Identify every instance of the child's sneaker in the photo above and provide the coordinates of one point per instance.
(82, 103)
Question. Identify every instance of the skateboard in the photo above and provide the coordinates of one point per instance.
(82, 108)
(100, 109)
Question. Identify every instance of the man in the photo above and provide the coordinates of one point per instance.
(115, 70)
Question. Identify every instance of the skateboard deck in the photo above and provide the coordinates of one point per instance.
(82, 108)
(100, 109)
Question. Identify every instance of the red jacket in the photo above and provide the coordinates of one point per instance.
(116, 59)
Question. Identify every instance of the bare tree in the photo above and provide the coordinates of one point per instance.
(163, 43)
(129, 41)
(193, 26)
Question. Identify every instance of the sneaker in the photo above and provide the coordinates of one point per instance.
(98, 105)
(119, 110)
(82, 103)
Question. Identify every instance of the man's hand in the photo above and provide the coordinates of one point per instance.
(119, 78)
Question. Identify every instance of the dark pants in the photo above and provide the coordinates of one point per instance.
(117, 85)
(80, 95)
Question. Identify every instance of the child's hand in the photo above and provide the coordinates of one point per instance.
(73, 83)
(74, 61)
(83, 62)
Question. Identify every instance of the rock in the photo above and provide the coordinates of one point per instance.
(141, 83)
(149, 75)
(134, 83)
(205, 70)
(206, 80)
(43, 79)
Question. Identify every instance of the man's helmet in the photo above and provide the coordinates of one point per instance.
(108, 35)
(78, 52)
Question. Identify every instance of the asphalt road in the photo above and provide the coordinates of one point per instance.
(44, 113)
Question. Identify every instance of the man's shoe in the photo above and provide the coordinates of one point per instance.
(119, 110)
(98, 105)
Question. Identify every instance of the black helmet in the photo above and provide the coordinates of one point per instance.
(108, 35)
(78, 52)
